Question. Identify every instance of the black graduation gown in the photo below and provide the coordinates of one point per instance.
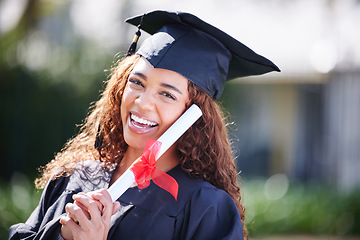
(201, 211)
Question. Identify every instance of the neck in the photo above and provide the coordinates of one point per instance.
(166, 162)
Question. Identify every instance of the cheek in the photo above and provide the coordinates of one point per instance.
(128, 96)
(125, 93)
(170, 115)
(125, 100)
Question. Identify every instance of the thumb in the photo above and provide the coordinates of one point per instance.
(116, 206)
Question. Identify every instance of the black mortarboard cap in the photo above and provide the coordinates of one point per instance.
(202, 53)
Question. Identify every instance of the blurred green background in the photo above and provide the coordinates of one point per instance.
(296, 134)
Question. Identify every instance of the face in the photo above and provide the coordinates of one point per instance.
(153, 100)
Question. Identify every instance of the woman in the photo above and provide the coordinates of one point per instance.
(186, 61)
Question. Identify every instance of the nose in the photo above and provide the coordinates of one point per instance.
(145, 101)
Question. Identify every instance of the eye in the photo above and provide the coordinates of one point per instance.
(136, 82)
(168, 95)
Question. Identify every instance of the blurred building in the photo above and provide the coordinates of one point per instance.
(305, 121)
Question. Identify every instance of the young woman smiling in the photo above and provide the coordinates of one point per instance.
(185, 62)
(152, 101)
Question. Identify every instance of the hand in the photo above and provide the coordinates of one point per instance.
(65, 231)
(89, 216)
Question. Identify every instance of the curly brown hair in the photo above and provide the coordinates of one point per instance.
(205, 149)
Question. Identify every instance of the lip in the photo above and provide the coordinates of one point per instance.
(137, 129)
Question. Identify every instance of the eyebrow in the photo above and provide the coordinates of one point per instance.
(140, 75)
(162, 84)
(171, 87)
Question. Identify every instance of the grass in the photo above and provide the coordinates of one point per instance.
(274, 206)
(18, 198)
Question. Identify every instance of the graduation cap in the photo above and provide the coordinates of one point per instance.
(202, 53)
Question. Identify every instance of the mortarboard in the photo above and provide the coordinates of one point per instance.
(202, 53)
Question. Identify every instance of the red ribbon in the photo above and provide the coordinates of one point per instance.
(145, 169)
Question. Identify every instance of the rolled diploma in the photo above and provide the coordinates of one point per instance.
(169, 137)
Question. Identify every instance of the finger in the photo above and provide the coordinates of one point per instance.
(77, 214)
(68, 227)
(67, 220)
(104, 198)
(87, 195)
(92, 206)
(73, 217)
(116, 206)
(83, 208)
(69, 214)
(65, 232)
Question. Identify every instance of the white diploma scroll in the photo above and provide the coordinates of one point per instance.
(169, 137)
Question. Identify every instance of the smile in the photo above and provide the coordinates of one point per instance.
(141, 122)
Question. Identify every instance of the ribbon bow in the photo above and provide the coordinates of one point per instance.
(144, 170)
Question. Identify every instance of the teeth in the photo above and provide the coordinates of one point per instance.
(141, 120)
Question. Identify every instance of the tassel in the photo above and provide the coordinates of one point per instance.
(132, 47)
